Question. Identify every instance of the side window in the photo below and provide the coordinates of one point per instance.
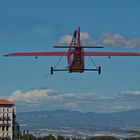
(2, 128)
(7, 128)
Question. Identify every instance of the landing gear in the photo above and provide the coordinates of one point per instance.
(51, 70)
(99, 70)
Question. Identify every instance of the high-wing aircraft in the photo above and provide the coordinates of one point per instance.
(75, 55)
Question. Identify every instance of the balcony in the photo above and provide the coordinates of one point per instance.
(5, 124)
(4, 118)
(5, 138)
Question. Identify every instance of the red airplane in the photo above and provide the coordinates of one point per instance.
(75, 55)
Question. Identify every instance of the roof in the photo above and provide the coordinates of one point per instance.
(5, 102)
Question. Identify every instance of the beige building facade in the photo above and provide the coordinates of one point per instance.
(9, 128)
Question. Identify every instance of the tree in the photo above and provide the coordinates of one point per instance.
(103, 138)
(49, 137)
(27, 136)
(60, 138)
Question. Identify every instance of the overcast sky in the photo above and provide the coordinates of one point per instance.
(37, 25)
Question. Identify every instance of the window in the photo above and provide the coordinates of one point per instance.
(7, 128)
(2, 128)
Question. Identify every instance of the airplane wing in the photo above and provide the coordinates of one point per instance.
(39, 54)
(111, 54)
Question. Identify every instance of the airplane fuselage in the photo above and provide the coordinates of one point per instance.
(76, 60)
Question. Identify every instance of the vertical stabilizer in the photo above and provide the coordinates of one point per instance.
(78, 33)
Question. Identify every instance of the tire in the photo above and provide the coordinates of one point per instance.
(51, 70)
(99, 70)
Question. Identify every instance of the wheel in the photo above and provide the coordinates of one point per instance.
(99, 70)
(51, 70)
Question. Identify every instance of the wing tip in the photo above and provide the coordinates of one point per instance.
(5, 55)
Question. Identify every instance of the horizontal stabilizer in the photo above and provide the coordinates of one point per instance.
(77, 47)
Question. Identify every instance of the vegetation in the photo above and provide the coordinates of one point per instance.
(28, 136)
(136, 132)
(138, 138)
(49, 137)
(103, 138)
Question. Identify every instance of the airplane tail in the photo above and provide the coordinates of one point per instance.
(76, 42)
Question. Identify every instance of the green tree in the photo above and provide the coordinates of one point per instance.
(103, 138)
(138, 138)
(60, 138)
(28, 137)
(49, 137)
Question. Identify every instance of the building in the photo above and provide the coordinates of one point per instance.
(9, 128)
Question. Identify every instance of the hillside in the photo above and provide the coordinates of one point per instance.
(77, 123)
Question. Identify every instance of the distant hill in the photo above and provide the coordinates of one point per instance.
(74, 120)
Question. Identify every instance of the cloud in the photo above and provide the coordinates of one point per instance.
(40, 99)
(118, 40)
(117, 108)
(105, 39)
(38, 96)
(85, 38)
(35, 96)
(71, 105)
(65, 39)
(130, 94)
